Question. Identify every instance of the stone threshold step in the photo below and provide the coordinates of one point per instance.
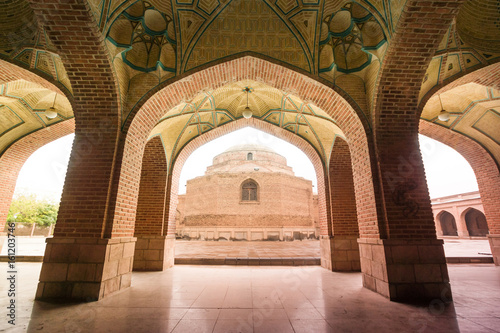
(309, 261)
(469, 260)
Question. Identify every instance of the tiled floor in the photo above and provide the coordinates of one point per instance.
(198, 299)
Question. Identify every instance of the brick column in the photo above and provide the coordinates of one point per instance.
(78, 262)
(325, 231)
(154, 250)
(343, 242)
(410, 263)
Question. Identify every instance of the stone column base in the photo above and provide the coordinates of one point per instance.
(495, 248)
(154, 253)
(405, 269)
(325, 243)
(343, 253)
(85, 268)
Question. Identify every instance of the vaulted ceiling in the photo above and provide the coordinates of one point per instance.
(339, 42)
(213, 108)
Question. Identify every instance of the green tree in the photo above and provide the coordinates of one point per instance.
(29, 209)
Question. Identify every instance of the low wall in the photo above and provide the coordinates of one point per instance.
(247, 234)
(31, 229)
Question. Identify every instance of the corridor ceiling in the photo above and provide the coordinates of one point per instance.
(339, 43)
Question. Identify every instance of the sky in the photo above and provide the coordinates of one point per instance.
(43, 173)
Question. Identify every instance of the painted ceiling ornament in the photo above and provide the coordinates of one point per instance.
(145, 38)
(348, 38)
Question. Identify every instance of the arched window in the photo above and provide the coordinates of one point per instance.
(249, 191)
(249, 156)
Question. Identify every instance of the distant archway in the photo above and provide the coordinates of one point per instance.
(448, 224)
(476, 223)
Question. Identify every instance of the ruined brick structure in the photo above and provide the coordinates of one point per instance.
(249, 193)
(351, 83)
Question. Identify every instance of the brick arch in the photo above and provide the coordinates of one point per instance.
(216, 76)
(488, 76)
(406, 60)
(89, 69)
(484, 166)
(468, 209)
(12, 72)
(227, 128)
(16, 155)
(261, 58)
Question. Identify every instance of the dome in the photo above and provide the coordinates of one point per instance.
(249, 147)
(249, 158)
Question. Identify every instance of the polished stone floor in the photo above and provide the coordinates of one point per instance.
(198, 299)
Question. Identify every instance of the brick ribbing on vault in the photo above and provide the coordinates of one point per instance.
(10, 72)
(483, 164)
(488, 76)
(231, 127)
(151, 201)
(86, 202)
(403, 186)
(216, 76)
(16, 155)
(343, 198)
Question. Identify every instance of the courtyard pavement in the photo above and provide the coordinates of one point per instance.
(35, 246)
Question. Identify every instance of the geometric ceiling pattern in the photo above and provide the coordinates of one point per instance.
(338, 42)
(22, 107)
(211, 109)
(474, 111)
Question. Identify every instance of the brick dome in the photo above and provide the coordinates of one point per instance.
(249, 158)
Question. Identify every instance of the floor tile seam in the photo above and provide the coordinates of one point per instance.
(479, 324)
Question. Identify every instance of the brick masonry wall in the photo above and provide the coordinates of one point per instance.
(343, 198)
(277, 194)
(407, 208)
(87, 203)
(151, 201)
(16, 155)
(483, 164)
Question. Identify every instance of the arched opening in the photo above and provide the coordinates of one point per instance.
(249, 156)
(476, 223)
(224, 196)
(448, 224)
(159, 111)
(249, 190)
(33, 204)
